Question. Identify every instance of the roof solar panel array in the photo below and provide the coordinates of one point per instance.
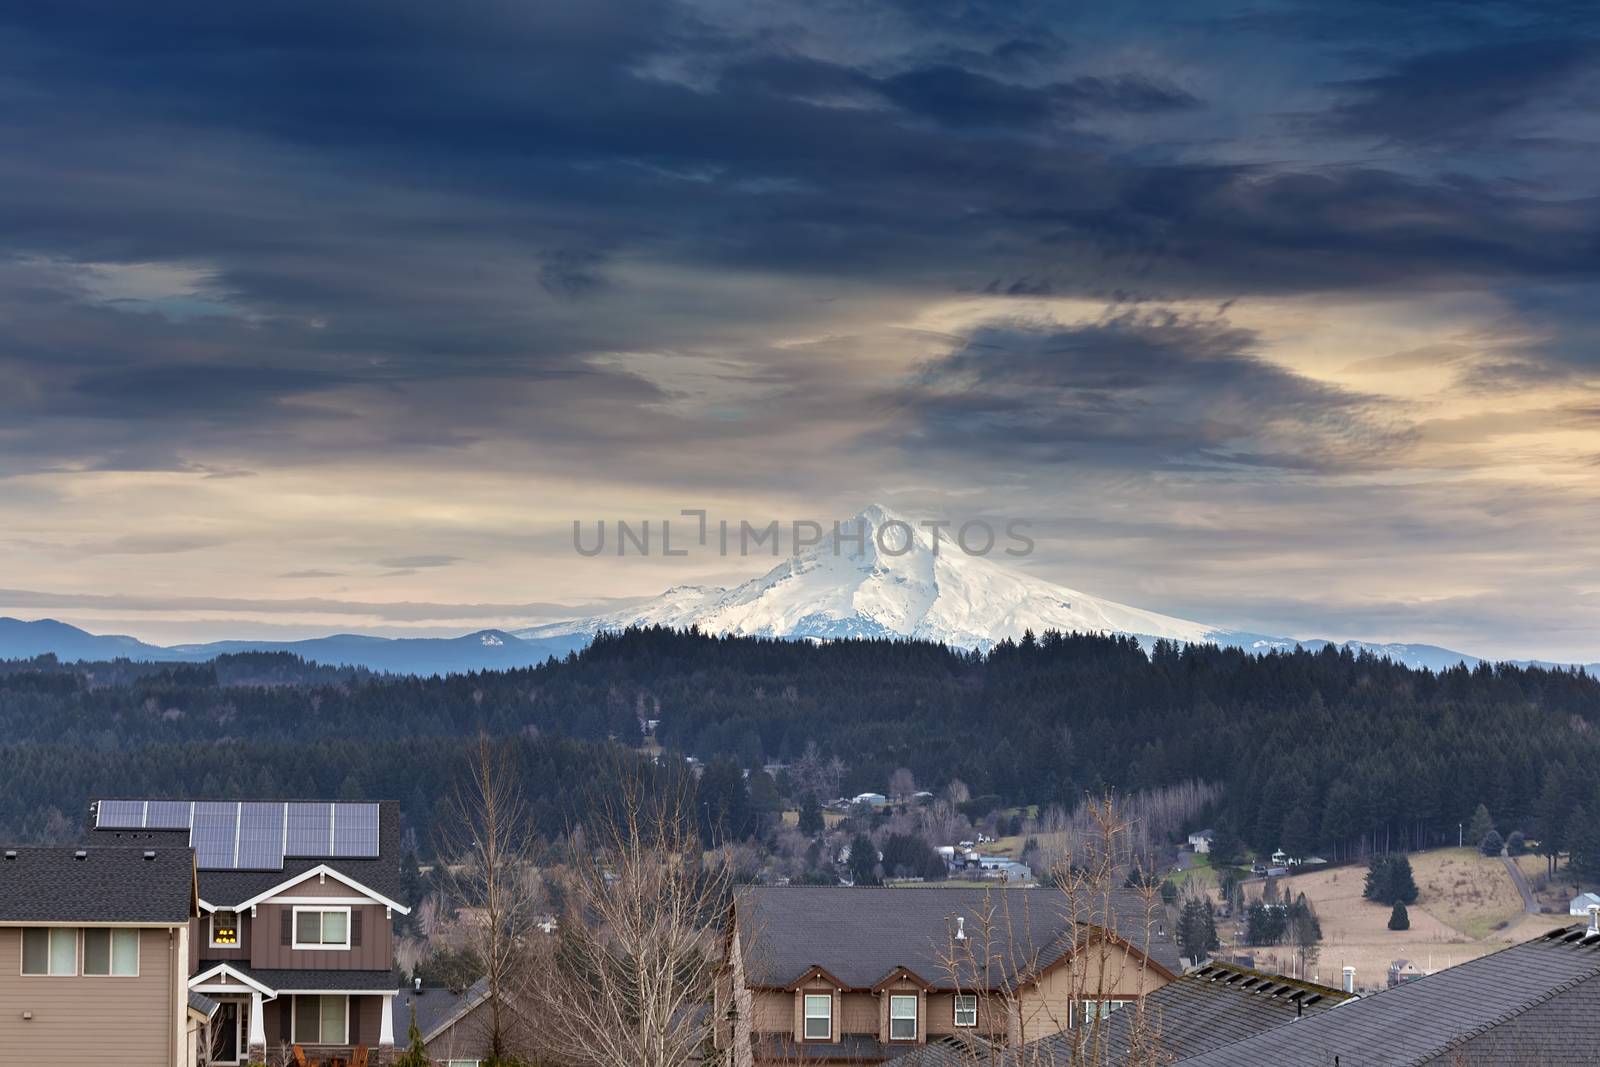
(253, 835)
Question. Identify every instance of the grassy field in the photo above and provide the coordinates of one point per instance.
(1467, 906)
(829, 818)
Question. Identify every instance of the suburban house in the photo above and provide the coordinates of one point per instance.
(293, 938)
(1213, 1005)
(1580, 904)
(94, 946)
(1200, 841)
(1536, 1003)
(867, 974)
(454, 1025)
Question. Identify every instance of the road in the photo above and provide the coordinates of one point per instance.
(1529, 905)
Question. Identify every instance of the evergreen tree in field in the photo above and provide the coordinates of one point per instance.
(1389, 880)
(1516, 844)
(864, 861)
(811, 820)
(1480, 825)
(1491, 844)
(1197, 929)
(1398, 918)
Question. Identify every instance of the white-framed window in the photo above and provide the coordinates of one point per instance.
(818, 1017)
(463, 1063)
(224, 929)
(111, 953)
(49, 951)
(902, 1018)
(322, 928)
(1085, 1012)
(320, 1020)
(966, 1009)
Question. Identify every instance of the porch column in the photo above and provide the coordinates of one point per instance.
(258, 1028)
(386, 1023)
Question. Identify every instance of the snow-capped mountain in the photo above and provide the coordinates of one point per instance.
(879, 588)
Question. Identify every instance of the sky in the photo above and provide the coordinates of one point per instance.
(1279, 315)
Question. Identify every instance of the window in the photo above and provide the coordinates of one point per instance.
(225, 929)
(321, 1020)
(819, 1017)
(111, 953)
(1087, 1011)
(52, 951)
(966, 1009)
(463, 1063)
(322, 928)
(902, 1018)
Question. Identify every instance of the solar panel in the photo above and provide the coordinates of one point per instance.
(260, 837)
(309, 831)
(215, 834)
(167, 814)
(355, 831)
(120, 814)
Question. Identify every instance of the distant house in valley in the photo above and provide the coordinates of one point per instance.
(1581, 903)
(1403, 971)
(864, 975)
(871, 800)
(94, 944)
(1201, 841)
(293, 937)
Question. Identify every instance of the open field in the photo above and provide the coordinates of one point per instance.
(829, 818)
(1468, 906)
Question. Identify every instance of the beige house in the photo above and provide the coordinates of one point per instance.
(292, 940)
(862, 975)
(94, 948)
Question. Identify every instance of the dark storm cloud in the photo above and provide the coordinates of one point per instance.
(1467, 94)
(1139, 389)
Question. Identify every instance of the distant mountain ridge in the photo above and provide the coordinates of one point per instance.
(875, 589)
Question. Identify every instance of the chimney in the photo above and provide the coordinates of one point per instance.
(1594, 918)
(961, 927)
(1349, 984)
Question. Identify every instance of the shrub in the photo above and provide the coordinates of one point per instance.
(1399, 919)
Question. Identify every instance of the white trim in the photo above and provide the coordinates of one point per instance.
(238, 930)
(294, 1020)
(806, 1016)
(916, 1007)
(322, 870)
(955, 1019)
(197, 982)
(318, 946)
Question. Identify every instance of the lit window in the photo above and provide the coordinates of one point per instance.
(966, 1009)
(320, 928)
(52, 951)
(819, 1018)
(321, 1020)
(111, 953)
(225, 929)
(902, 1018)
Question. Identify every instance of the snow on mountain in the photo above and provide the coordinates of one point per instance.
(875, 589)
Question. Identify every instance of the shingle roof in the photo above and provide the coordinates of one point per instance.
(1538, 999)
(436, 1007)
(225, 888)
(1208, 1007)
(203, 1004)
(303, 980)
(860, 934)
(96, 885)
(850, 1048)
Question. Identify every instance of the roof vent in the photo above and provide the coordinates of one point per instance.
(11, 853)
(1594, 918)
(149, 853)
(80, 855)
(416, 984)
(961, 927)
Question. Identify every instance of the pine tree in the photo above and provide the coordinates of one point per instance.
(1480, 825)
(864, 861)
(1491, 844)
(811, 821)
(1398, 918)
(416, 1053)
(1197, 929)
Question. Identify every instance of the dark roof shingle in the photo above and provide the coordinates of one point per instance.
(96, 885)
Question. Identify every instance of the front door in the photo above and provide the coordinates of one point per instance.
(225, 1033)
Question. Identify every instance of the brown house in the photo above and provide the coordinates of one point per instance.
(94, 946)
(864, 975)
(293, 940)
(454, 1025)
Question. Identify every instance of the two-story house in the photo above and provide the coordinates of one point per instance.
(293, 938)
(862, 975)
(94, 951)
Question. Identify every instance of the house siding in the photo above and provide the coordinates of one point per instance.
(135, 1022)
(267, 950)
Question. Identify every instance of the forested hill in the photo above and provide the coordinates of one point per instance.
(1313, 749)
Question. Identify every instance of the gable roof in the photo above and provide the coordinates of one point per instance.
(277, 981)
(323, 869)
(860, 934)
(437, 1008)
(97, 885)
(229, 888)
(1540, 998)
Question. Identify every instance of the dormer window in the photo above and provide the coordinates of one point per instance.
(903, 1018)
(225, 929)
(819, 1017)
